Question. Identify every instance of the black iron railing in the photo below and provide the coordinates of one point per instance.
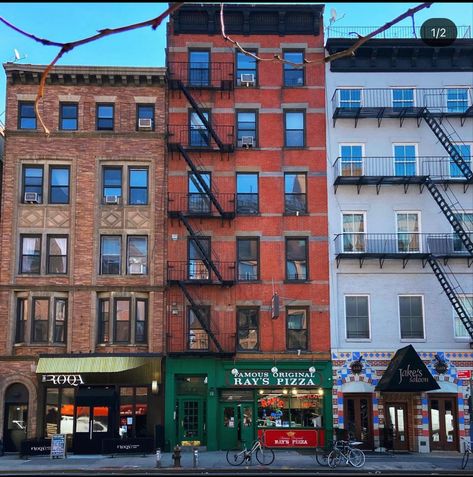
(180, 339)
(199, 204)
(199, 137)
(393, 32)
(198, 271)
(200, 75)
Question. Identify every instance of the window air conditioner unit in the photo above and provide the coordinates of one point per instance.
(32, 197)
(247, 141)
(145, 123)
(247, 79)
(137, 269)
(112, 199)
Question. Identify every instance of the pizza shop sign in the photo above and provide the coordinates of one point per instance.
(279, 378)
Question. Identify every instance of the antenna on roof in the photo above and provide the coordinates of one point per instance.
(18, 57)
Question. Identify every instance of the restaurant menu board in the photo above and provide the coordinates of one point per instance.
(58, 446)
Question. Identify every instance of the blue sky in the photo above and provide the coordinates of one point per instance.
(71, 21)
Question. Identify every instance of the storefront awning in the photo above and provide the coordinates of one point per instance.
(406, 373)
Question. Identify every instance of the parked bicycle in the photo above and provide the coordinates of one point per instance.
(321, 455)
(467, 452)
(344, 451)
(264, 455)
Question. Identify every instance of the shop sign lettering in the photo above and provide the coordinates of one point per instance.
(293, 438)
(281, 378)
(412, 375)
(60, 379)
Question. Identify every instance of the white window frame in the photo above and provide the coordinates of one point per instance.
(470, 163)
(416, 154)
(365, 231)
(414, 340)
(339, 100)
(468, 95)
(351, 144)
(419, 232)
(456, 317)
(413, 88)
(366, 340)
(457, 212)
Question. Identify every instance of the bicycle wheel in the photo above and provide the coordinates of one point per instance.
(235, 457)
(356, 458)
(466, 456)
(265, 456)
(321, 456)
(334, 458)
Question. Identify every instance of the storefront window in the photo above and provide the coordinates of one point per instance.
(67, 410)
(290, 408)
(52, 412)
(133, 412)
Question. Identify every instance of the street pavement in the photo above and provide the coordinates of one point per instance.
(287, 462)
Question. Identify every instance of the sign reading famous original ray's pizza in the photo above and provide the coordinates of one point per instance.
(269, 378)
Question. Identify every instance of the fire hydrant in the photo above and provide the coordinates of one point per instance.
(176, 455)
(158, 457)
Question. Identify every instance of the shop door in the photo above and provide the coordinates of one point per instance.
(92, 425)
(236, 425)
(443, 423)
(191, 429)
(358, 418)
(396, 422)
(15, 417)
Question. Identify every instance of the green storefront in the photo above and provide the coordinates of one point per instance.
(215, 403)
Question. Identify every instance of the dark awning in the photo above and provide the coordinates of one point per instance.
(407, 373)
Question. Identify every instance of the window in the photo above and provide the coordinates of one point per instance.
(68, 116)
(403, 98)
(357, 317)
(295, 193)
(296, 328)
(460, 330)
(59, 185)
(405, 159)
(26, 115)
(350, 98)
(296, 259)
(21, 319)
(408, 232)
(105, 117)
(60, 314)
(199, 68)
(293, 75)
(198, 200)
(199, 134)
(112, 184)
(32, 184)
(457, 100)
(137, 255)
(412, 317)
(138, 186)
(465, 152)
(248, 259)
(128, 322)
(247, 323)
(198, 338)
(353, 232)
(246, 128)
(351, 160)
(40, 320)
(134, 411)
(57, 254)
(246, 65)
(294, 127)
(110, 255)
(247, 193)
(466, 221)
(145, 117)
(198, 269)
(30, 259)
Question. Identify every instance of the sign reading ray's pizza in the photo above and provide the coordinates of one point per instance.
(407, 373)
(269, 378)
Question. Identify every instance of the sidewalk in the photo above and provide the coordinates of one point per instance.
(286, 461)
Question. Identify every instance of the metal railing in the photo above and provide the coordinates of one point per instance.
(196, 341)
(200, 137)
(437, 167)
(435, 99)
(463, 31)
(199, 204)
(446, 245)
(201, 75)
(197, 271)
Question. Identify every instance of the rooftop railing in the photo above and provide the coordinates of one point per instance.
(395, 32)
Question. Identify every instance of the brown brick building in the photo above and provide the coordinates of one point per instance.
(82, 255)
(247, 208)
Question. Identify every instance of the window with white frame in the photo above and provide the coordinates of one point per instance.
(357, 317)
(411, 315)
(351, 160)
(353, 231)
(403, 98)
(465, 152)
(457, 100)
(408, 238)
(405, 159)
(466, 221)
(459, 327)
(349, 98)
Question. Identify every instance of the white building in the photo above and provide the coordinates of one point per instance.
(401, 220)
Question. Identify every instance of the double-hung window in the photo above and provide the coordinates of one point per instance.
(247, 324)
(137, 253)
(105, 117)
(353, 232)
(57, 254)
(30, 259)
(199, 68)
(198, 199)
(110, 255)
(247, 193)
(405, 159)
(246, 129)
(351, 160)
(59, 184)
(112, 184)
(295, 193)
(357, 317)
(349, 98)
(465, 152)
(467, 303)
(199, 249)
(248, 259)
(33, 184)
(122, 320)
(40, 320)
(68, 116)
(293, 74)
(411, 313)
(198, 133)
(137, 186)
(408, 239)
(403, 98)
(296, 328)
(457, 100)
(296, 259)
(198, 321)
(294, 128)
(466, 221)
(246, 69)
(145, 117)
(26, 115)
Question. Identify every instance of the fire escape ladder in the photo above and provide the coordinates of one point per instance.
(205, 256)
(447, 143)
(201, 115)
(202, 183)
(442, 203)
(199, 316)
(449, 291)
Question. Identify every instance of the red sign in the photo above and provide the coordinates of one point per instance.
(464, 374)
(286, 437)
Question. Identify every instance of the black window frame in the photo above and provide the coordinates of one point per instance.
(205, 310)
(200, 83)
(293, 210)
(56, 327)
(98, 118)
(22, 315)
(53, 168)
(120, 255)
(199, 202)
(144, 340)
(286, 130)
(238, 70)
(287, 260)
(104, 185)
(34, 338)
(49, 255)
(306, 329)
(139, 108)
(203, 272)
(243, 259)
(138, 188)
(247, 329)
(22, 255)
(290, 68)
(116, 321)
(206, 139)
(130, 238)
(22, 117)
(103, 332)
(62, 105)
(25, 186)
(249, 209)
(253, 131)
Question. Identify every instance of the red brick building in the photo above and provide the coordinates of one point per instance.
(82, 255)
(247, 308)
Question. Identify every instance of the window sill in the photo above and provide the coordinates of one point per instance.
(241, 282)
(39, 345)
(296, 281)
(413, 340)
(242, 214)
(358, 340)
(291, 148)
(294, 214)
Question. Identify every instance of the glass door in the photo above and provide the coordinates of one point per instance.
(443, 423)
(358, 418)
(16, 417)
(396, 422)
(191, 429)
(91, 427)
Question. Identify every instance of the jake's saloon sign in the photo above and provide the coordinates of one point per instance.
(252, 378)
